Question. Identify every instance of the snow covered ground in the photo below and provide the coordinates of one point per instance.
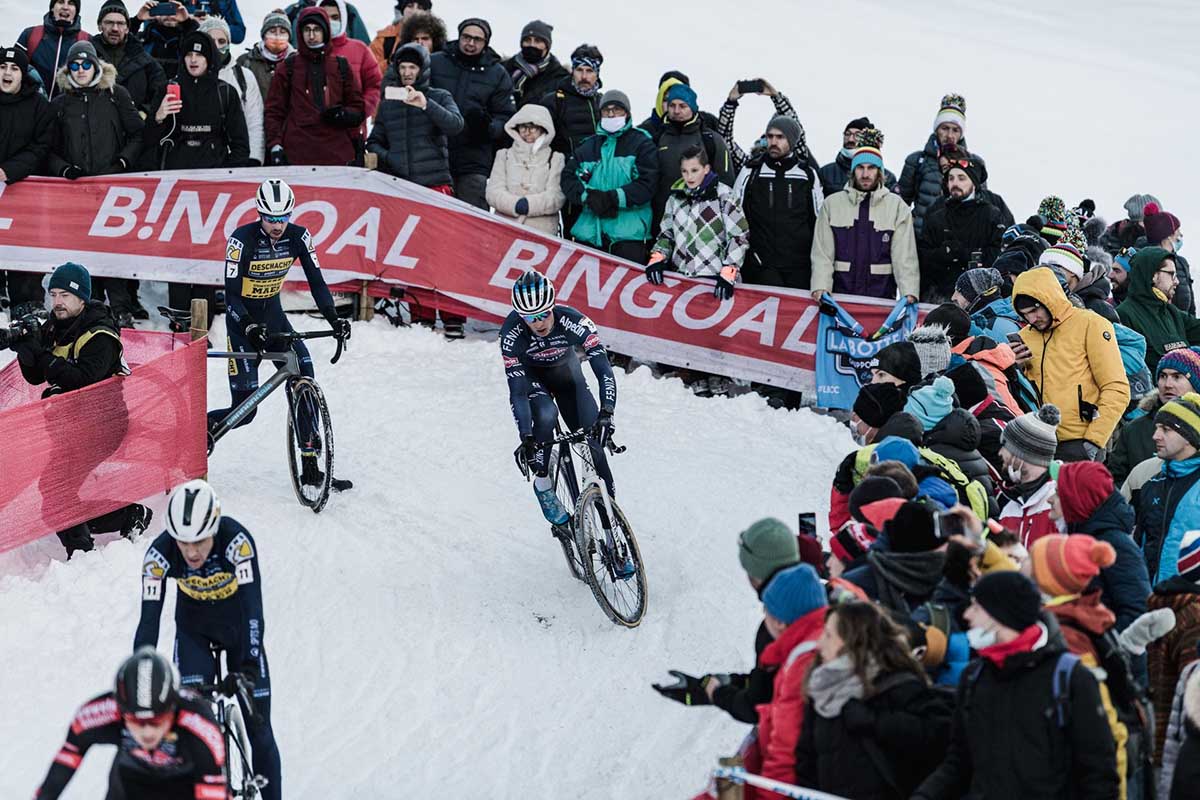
(423, 630)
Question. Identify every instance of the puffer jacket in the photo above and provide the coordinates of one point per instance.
(836, 174)
(305, 85)
(140, 74)
(956, 436)
(997, 362)
(781, 200)
(575, 116)
(1095, 298)
(483, 92)
(1125, 585)
(413, 143)
(1135, 442)
(362, 63)
(624, 162)
(864, 244)
(703, 229)
(1076, 364)
(672, 141)
(1148, 312)
(532, 171)
(51, 52)
(26, 131)
(1168, 507)
(95, 129)
(1182, 731)
(921, 179)
(949, 237)
(1169, 656)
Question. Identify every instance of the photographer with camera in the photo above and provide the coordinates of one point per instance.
(80, 346)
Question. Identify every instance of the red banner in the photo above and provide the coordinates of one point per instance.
(369, 226)
(76, 456)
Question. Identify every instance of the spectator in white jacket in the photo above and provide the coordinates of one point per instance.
(241, 79)
(526, 178)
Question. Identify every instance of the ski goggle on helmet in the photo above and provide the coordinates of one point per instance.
(533, 296)
(193, 512)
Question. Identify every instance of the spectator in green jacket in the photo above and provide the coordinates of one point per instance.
(1148, 309)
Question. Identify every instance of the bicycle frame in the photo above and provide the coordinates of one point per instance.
(590, 474)
(290, 369)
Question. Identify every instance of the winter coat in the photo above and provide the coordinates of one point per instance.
(532, 88)
(412, 143)
(780, 721)
(674, 139)
(864, 244)
(950, 237)
(1168, 507)
(624, 162)
(26, 131)
(783, 107)
(1147, 312)
(483, 92)
(386, 40)
(1026, 510)
(1169, 656)
(997, 364)
(363, 65)
(1095, 298)
(51, 52)
(1076, 365)
(1135, 439)
(94, 129)
(532, 171)
(1005, 742)
(353, 21)
(956, 436)
(1125, 585)
(140, 74)
(899, 741)
(921, 179)
(1185, 296)
(261, 67)
(306, 84)
(996, 320)
(210, 130)
(704, 229)
(1182, 728)
(781, 200)
(228, 11)
(575, 117)
(245, 83)
(74, 354)
(836, 175)
(162, 43)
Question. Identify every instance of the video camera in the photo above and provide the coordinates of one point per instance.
(22, 327)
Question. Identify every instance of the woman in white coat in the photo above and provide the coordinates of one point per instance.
(525, 182)
(241, 79)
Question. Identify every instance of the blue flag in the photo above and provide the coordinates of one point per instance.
(846, 353)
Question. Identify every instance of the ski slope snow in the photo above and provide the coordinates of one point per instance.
(423, 631)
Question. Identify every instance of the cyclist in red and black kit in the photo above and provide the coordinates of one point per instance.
(168, 744)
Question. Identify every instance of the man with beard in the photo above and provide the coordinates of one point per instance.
(162, 35)
(1178, 373)
(535, 71)
(964, 233)
(1148, 309)
(140, 74)
(49, 43)
(575, 104)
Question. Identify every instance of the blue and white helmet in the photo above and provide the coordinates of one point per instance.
(532, 293)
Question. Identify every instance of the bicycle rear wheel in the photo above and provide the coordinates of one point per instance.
(623, 599)
(306, 398)
(566, 486)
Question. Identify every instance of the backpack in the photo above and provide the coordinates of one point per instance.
(1060, 686)
(39, 32)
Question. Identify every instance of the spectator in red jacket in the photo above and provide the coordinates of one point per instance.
(358, 55)
(307, 127)
(1027, 448)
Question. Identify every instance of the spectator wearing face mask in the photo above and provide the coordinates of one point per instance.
(353, 24)
(358, 55)
(244, 82)
(535, 71)
(387, 39)
(49, 43)
(273, 46)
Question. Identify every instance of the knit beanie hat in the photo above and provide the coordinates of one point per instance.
(877, 402)
(930, 404)
(111, 7)
(933, 348)
(482, 24)
(1053, 213)
(1159, 224)
(852, 542)
(15, 55)
(766, 546)
(872, 489)
(956, 321)
(1009, 598)
(969, 386)
(1136, 206)
(912, 529)
(1033, 437)
(793, 593)
(615, 97)
(787, 126)
(979, 282)
(1189, 557)
(896, 448)
(1184, 360)
(858, 124)
(1065, 564)
(1082, 487)
(1181, 415)
(900, 360)
(953, 109)
(83, 50)
(214, 22)
(539, 30)
(276, 19)
(73, 278)
(681, 91)
(1065, 256)
(868, 149)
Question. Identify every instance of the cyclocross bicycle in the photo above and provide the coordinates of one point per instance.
(224, 695)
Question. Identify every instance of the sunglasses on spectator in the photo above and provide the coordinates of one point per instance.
(961, 163)
(75, 66)
(275, 220)
(535, 317)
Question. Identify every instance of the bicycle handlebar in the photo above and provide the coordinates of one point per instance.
(294, 336)
(244, 690)
(578, 436)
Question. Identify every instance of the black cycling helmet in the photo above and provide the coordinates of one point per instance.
(146, 684)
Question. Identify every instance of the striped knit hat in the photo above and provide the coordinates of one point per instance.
(1064, 256)
(869, 141)
(953, 109)
(1053, 212)
(854, 540)
(1033, 437)
(1181, 415)
(1189, 557)
(1065, 564)
(1185, 361)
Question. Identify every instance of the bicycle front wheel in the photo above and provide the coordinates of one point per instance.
(310, 443)
(612, 562)
(566, 486)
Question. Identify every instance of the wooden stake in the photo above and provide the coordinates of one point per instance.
(727, 790)
(198, 330)
(366, 309)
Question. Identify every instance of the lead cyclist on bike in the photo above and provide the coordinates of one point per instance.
(539, 343)
(257, 259)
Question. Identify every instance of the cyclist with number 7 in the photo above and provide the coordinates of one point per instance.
(257, 259)
(538, 343)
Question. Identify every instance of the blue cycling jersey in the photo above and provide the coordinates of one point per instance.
(256, 266)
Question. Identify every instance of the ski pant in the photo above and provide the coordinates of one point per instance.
(194, 658)
(578, 408)
(25, 288)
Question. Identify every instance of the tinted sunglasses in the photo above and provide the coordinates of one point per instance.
(961, 163)
(535, 317)
(75, 66)
(275, 220)
(157, 719)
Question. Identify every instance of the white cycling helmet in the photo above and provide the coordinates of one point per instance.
(193, 512)
(275, 198)
(532, 293)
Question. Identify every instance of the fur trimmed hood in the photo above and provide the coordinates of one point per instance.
(108, 79)
(1150, 403)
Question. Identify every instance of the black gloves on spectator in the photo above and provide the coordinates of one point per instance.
(723, 289)
(277, 158)
(687, 689)
(342, 117)
(603, 203)
(72, 172)
(602, 429)
(257, 335)
(522, 207)
(478, 124)
(654, 272)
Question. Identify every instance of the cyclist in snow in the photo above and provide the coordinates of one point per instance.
(214, 562)
(257, 260)
(538, 343)
(168, 744)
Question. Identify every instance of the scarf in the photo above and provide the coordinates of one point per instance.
(524, 70)
(269, 56)
(901, 574)
(834, 684)
(999, 653)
